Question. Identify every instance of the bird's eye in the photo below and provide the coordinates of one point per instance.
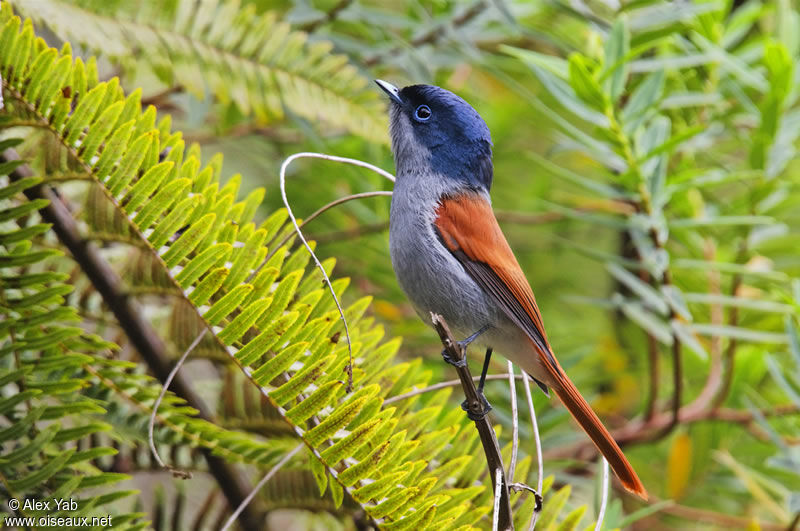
(423, 113)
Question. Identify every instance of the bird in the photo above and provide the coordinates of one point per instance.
(451, 258)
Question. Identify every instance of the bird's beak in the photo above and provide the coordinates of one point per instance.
(391, 90)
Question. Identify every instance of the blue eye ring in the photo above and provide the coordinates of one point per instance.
(422, 113)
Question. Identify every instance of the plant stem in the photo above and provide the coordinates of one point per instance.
(494, 461)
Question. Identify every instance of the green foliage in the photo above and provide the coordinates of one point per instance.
(675, 133)
(285, 342)
(252, 62)
(47, 361)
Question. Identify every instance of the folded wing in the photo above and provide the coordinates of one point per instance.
(467, 226)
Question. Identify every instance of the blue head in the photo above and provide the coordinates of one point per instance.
(436, 133)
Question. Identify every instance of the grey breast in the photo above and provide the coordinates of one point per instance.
(428, 273)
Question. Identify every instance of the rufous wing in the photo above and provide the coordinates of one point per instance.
(467, 226)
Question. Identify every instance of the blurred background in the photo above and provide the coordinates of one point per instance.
(646, 176)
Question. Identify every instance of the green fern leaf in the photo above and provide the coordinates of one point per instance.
(227, 304)
(313, 404)
(300, 381)
(271, 369)
(208, 286)
(242, 323)
(188, 241)
(272, 333)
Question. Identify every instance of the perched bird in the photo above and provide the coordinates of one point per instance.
(451, 257)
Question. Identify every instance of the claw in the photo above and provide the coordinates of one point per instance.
(477, 410)
(455, 363)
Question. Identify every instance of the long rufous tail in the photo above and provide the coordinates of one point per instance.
(599, 435)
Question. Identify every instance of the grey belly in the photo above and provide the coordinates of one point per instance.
(434, 281)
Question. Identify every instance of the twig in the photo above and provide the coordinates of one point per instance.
(164, 388)
(730, 352)
(654, 376)
(491, 449)
(355, 162)
(539, 462)
(442, 385)
(714, 380)
(512, 466)
(516, 218)
(260, 484)
(498, 494)
(640, 432)
(138, 331)
(677, 378)
(349, 234)
(603, 498)
(336, 202)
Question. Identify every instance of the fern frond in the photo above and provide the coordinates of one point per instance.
(253, 61)
(43, 373)
(275, 322)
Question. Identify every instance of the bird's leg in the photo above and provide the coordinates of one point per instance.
(485, 406)
(463, 344)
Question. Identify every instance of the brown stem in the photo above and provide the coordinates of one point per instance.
(139, 332)
(638, 432)
(730, 352)
(490, 447)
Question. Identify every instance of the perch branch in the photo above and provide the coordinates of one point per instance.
(138, 331)
(484, 427)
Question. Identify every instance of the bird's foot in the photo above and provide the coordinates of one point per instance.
(460, 363)
(477, 409)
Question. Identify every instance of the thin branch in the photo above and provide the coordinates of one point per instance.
(516, 218)
(677, 379)
(336, 202)
(498, 494)
(355, 162)
(473, 404)
(539, 461)
(260, 485)
(442, 385)
(512, 466)
(138, 331)
(730, 352)
(349, 234)
(713, 382)
(603, 498)
(654, 370)
(641, 432)
(164, 388)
